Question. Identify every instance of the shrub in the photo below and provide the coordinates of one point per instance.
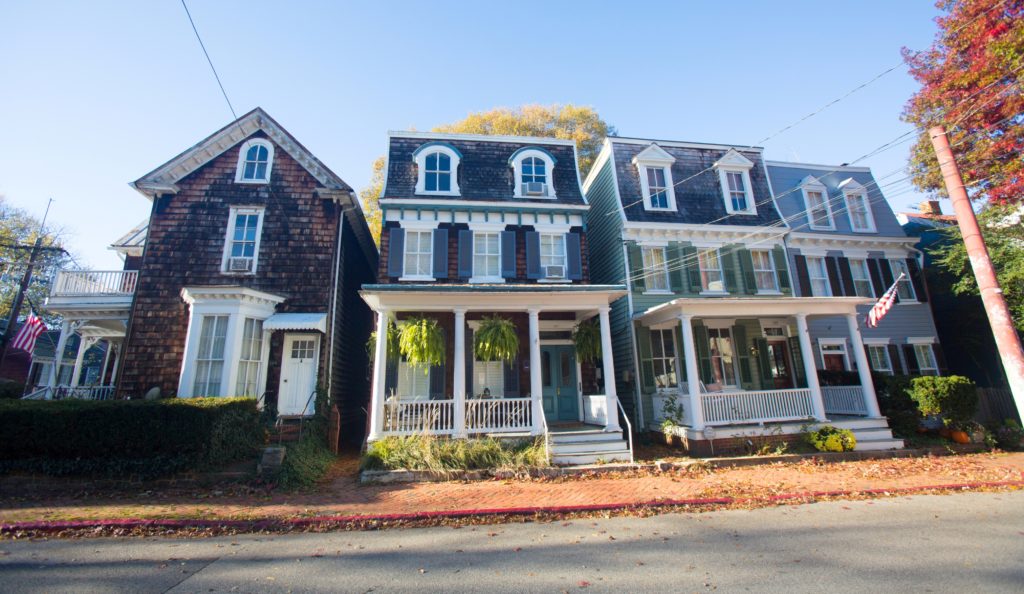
(425, 452)
(309, 459)
(832, 439)
(10, 389)
(954, 397)
(1009, 435)
(895, 403)
(140, 438)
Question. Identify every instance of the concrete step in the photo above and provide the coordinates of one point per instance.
(864, 423)
(587, 435)
(870, 434)
(869, 445)
(581, 458)
(569, 447)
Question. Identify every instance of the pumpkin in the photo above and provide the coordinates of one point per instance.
(960, 436)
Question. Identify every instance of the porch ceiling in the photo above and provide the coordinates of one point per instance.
(577, 298)
(751, 307)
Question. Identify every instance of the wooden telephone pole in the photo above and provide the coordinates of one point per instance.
(1007, 340)
(26, 280)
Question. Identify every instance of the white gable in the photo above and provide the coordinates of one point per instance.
(733, 159)
(654, 154)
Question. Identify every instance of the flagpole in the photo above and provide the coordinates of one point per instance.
(19, 299)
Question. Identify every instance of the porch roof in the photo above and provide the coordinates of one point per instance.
(495, 297)
(756, 307)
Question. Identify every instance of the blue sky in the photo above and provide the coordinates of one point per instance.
(97, 94)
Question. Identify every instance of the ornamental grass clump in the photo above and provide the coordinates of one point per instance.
(496, 339)
(832, 439)
(421, 342)
(444, 455)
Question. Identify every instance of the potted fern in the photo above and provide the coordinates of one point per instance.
(393, 348)
(421, 342)
(496, 339)
(587, 338)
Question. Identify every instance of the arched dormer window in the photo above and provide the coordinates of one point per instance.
(255, 160)
(438, 167)
(534, 173)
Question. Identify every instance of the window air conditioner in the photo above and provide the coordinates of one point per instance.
(240, 264)
(535, 189)
(554, 271)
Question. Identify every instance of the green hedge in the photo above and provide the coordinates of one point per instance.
(139, 438)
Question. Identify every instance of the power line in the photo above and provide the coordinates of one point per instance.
(208, 60)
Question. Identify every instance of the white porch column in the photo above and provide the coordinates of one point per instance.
(117, 360)
(459, 381)
(611, 395)
(863, 367)
(380, 356)
(83, 345)
(692, 372)
(58, 354)
(807, 354)
(536, 385)
(106, 363)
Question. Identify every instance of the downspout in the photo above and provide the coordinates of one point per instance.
(334, 299)
(638, 404)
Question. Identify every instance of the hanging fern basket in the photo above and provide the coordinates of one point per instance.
(371, 344)
(587, 338)
(421, 342)
(496, 339)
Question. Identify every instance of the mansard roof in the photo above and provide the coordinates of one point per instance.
(485, 171)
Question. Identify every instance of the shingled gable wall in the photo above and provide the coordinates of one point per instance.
(185, 246)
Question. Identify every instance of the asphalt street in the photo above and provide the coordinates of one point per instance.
(971, 542)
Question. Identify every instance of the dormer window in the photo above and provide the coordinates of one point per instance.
(438, 165)
(858, 207)
(817, 204)
(734, 176)
(654, 166)
(255, 160)
(534, 169)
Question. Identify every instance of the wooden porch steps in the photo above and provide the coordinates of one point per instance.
(285, 431)
(578, 446)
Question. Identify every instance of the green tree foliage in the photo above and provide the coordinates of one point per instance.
(1003, 230)
(971, 83)
(581, 124)
(18, 233)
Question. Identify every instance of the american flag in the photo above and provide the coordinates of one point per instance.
(30, 331)
(885, 303)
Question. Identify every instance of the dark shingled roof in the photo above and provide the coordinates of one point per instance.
(484, 171)
(698, 200)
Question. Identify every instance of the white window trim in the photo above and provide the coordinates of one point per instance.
(849, 187)
(810, 184)
(823, 342)
(775, 273)
(565, 253)
(421, 228)
(655, 157)
(517, 167)
(867, 274)
(721, 272)
(910, 283)
(676, 357)
(664, 270)
(734, 162)
(495, 228)
(420, 157)
(921, 340)
(888, 358)
(240, 167)
(226, 256)
(934, 360)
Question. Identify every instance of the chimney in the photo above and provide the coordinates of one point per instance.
(930, 207)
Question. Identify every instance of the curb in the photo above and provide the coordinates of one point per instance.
(368, 521)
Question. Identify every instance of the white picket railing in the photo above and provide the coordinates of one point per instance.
(71, 393)
(407, 417)
(94, 282)
(723, 408)
(499, 415)
(844, 400)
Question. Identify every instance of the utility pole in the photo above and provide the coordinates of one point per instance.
(1007, 340)
(26, 279)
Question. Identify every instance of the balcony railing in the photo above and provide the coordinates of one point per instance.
(75, 283)
(499, 415)
(724, 408)
(844, 400)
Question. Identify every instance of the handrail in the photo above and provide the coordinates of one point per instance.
(39, 394)
(547, 446)
(302, 419)
(629, 429)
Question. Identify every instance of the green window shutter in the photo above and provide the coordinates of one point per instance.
(692, 268)
(798, 362)
(643, 344)
(739, 336)
(747, 268)
(700, 336)
(782, 267)
(636, 267)
(765, 364)
(676, 270)
(727, 256)
(680, 354)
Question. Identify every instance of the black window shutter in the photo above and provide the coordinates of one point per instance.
(764, 364)
(533, 255)
(676, 271)
(917, 278)
(876, 277)
(782, 268)
(730, 276)
(511, 379)
(797, 355)
(508, 254)
(703, 344)
(832, 267)
(440, 253)
(574, 256)
(643, 343)
(802, 276)
(887, 278)
(940, 359)
(911, 358)
(437, 377)
(692, 268)
(390, 374)
(846, 274)
(396, 251)
(747, 268)
(636, 267)
(894, 359)
(470, 359)
(465, 253)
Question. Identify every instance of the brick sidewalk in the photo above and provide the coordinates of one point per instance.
(343, 495)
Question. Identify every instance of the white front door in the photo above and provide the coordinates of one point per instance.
(299, 363)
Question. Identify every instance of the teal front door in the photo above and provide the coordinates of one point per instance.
(558, 377)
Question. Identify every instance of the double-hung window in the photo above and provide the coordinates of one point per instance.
(488, 379)
(418, 254)
(734, 178)
(858, 207)
(926, 359)
(738, 195)
(249, 359)
(905, 288)
(710, 264)
(438, 173)
(213, 332)
(654, 168)
(655, 269)
(243, 240)
(861, 277)
(657, 187)
(486, 255)
(816, 201)
(878, 355)
(818, 275)
(663, 358)
(533, 168)
(764, 271)
(723, 366)
(552, 255)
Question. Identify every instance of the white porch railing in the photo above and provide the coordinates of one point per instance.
(407, 417)
(69, 393)
(844, 400)
(724, 408)
(94, 282)
(595, 409)
(499, 415)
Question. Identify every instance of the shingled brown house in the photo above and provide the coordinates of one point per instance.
(247, 282)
